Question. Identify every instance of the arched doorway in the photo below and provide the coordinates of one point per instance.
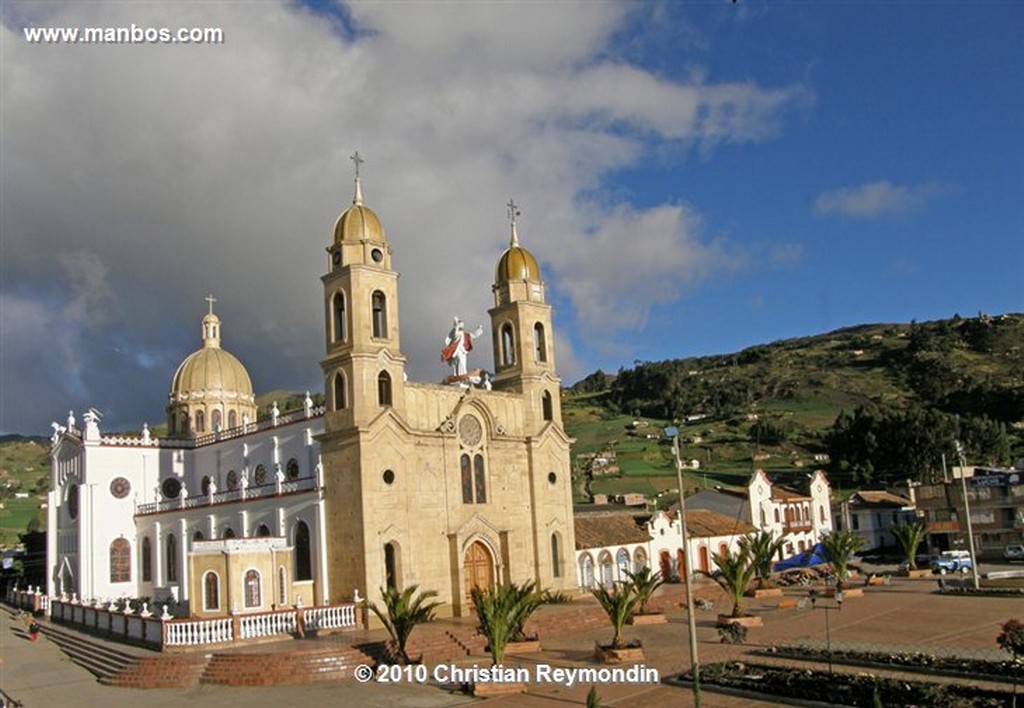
(704, 562)
(479, 567)
(665, 564)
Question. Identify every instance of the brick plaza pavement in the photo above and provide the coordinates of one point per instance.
(904, 615)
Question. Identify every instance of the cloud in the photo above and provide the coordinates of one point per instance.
(875, 200)
(138, 178)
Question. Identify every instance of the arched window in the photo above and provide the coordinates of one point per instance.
(232, 480)
(120, 561)
(480, 479)
(205, 485)
(197, 536)
(622, 562)
(764, 518)
(546, 406)
(282, 586)
(384, 388)
(540, 348)
(262, 531)
(821, 514)
(147, 560)
(229, 532)
(232, 419)
(211, 591)
(260, 475)
(172, 559)
(379, 314)
(253, 590)
(556, 556)
(723, 549)
(200, 422)
(340, 400)
(303, 556)
(639, 560)
(508, 349)
(776, 515)
(73, 501)
(340, 330)
(607, 569)
(467, 479)
(215, 421)
(587, 570)
(391, 566)
(292, 469)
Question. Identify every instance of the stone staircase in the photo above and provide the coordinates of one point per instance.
(283, 667)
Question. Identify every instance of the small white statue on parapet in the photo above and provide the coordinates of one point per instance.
(457, 346)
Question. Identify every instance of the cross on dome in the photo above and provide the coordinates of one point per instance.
(210, 299)
(357, 160)
(513, 212)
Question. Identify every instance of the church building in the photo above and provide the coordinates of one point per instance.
(448, 486)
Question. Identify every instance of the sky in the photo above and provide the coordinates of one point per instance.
(693, 178)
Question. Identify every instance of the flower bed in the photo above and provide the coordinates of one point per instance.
(845, 689)
(907, 661)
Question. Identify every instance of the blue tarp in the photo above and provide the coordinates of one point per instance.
(813, 556)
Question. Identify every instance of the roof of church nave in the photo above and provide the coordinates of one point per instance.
(358, 222)
(211, 369)
(516, 263)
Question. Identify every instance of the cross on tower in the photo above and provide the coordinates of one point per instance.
(357, 160)
(513, 211)
(210, 299)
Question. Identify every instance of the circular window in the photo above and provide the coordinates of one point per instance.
(389, 476)
(292, 469)
(232, 480)
(470, 430)
(261, 475)
(73, 501)
(377, 255)
(120, 487)
(171, 488)
(552, 477)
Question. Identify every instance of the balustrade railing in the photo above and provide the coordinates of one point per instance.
(303, 484)
(137, 625)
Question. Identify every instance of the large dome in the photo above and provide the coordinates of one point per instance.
(209, 374)
(516, 263)
(211, 390)
(358, 223)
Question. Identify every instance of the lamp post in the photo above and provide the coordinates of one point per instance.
(967, 512)
(692, 620)
(828, 633)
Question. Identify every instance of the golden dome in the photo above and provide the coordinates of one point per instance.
(516, 263)
(211, 373)
(358, 223)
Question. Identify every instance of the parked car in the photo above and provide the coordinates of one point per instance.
(1014, 552)
(952, 562)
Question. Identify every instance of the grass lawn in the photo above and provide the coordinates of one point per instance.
(14, 517)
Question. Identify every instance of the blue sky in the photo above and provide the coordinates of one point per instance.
(694, 178)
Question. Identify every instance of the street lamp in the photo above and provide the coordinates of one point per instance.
(813, 594)
(673, 432)
(967, 511)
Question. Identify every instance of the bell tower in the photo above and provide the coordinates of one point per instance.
(364, 369)
(521, 328)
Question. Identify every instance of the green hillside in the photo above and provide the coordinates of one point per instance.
(907, 392)
(24, 470)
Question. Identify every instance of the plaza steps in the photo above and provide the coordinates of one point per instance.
(102, 661)
(293, 666)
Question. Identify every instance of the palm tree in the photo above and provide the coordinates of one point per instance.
(402, 612)
(840, 546)
(503, 612)
(910, 535)
(733, 573)
(763, 547)
(644, 583)
(619, 604)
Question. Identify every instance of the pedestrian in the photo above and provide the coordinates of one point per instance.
(33, 630)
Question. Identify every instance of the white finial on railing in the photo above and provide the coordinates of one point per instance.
(166, 615)
(307, 405)
(355, 596)
(144, 612)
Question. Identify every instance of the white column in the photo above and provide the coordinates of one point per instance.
(52, 559)
(321, 554)
(183, 581)
(211, 526)
(282, 530)
(243, 519)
